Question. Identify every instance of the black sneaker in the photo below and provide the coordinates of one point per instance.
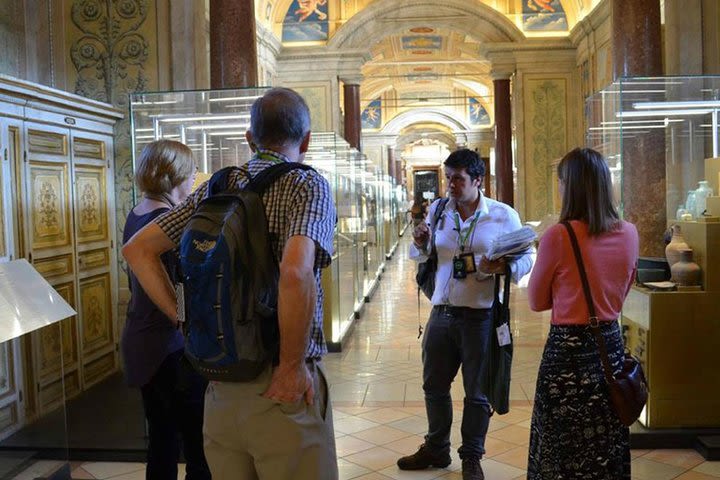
(424, 458)
(471, 469)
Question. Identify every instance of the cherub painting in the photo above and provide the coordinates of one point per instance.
(308, 7)
(544, 15)
(477, 113)
(306, 20)
(539, 5)
(371, 117)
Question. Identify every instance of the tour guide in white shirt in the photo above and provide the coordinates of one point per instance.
(460, 323)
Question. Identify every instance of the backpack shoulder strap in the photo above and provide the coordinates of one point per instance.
(436, 218)
(268, 176)
(218, 183)
(438, 212)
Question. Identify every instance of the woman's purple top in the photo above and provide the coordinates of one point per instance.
(148, 336)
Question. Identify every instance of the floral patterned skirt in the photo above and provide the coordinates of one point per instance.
(574, 433)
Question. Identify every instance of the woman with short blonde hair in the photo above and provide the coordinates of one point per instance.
(152, 345)
(162, 166)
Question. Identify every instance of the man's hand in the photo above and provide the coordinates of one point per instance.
(492, 267)
(290, 384)
(421, 235)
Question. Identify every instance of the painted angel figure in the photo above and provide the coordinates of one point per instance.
(372, 114)
(308, 7)
(543, 4)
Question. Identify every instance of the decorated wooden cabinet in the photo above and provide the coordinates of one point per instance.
(57, 212)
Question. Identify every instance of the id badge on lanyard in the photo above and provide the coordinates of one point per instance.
(464, 262)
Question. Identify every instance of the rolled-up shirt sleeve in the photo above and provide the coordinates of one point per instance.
(313, 215)
(173, 222)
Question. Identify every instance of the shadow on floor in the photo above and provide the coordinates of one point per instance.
(105, 422)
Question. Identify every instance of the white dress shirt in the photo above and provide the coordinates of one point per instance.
(476, 290)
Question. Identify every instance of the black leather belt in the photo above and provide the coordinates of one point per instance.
(453, 310)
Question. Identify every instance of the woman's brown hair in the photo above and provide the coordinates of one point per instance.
(588, 190)
(163, 165)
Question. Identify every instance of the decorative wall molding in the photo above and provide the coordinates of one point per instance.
(109, 57)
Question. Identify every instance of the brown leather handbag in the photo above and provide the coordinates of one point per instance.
(628, 388)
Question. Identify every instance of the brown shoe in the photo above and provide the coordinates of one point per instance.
(424, 458)
(471, 469)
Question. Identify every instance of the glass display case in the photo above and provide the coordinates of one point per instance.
(670, 125)
(678, 115)
(213, 124)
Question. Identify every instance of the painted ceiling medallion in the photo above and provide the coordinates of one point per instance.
(422, 52)
(422, 30)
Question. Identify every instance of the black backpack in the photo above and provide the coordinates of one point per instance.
(230, 279)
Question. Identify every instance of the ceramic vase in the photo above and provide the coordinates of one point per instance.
(703, 191)
(676, 245)
(686, 272)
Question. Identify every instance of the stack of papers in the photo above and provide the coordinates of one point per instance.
(517, 242)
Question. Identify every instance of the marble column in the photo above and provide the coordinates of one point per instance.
(352, 124)
(636, 44)
(233, 49)
(503, 141)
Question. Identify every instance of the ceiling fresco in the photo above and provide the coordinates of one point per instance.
(424, 65)
(533, 17)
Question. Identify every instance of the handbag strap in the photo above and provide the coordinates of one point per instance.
(594, 324)
(505, 302)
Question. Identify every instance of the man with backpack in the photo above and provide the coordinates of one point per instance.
(277, 425)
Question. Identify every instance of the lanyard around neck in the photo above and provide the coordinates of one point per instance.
(269, 157)
(468, 231)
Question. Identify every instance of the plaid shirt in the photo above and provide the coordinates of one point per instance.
(299, 203)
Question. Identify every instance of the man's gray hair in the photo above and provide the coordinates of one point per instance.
(279, 118)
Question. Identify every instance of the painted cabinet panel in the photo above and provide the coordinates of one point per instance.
(49, 203)
(91, 204)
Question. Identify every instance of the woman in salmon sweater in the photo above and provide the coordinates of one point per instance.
(575, 434)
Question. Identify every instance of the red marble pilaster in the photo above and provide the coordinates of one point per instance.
(352, 114)
(391, 163)
(637, 52)
(636, 39)
(233, 48)
(503, 142)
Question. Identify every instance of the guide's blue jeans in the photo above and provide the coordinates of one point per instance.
(455, 337)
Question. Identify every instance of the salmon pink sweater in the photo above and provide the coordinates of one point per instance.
(610, 262)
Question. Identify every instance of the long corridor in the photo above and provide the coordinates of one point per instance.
(378, 402)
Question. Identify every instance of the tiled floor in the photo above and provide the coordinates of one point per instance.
(378, 402)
